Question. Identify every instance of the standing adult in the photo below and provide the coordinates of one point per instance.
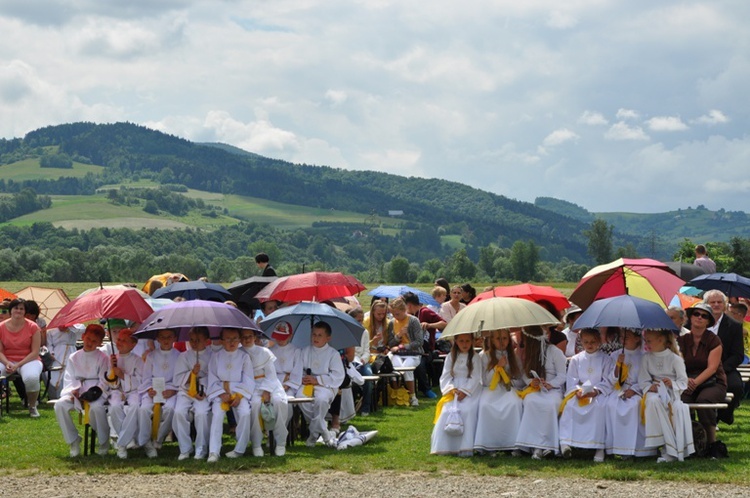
(20, 340)
(264, 263)
(702, 259)
(729, 331)
(449, 309)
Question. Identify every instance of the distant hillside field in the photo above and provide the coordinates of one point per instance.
(29, 169)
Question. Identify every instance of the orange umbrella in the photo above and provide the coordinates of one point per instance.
(50, 300)
(4, 294)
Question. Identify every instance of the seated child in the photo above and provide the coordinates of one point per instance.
(191, 378)
(124, 397)
(662, 379)
(323, 374)
(583, 416)
(288, 362)
(230, 386)
(499, 407)
(86, 369)
(160, 363)
(460, 383)
(268, 389)
(342, 407)
(61, 344)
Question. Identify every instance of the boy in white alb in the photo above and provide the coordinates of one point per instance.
(191, 377)
(61, 343)
(288, 362)
(230, 386)
(124, 398)
(323, 372)
(85, 370)
(160, 364)
(268, 389)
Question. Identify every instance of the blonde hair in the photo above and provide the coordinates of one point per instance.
(398, 304)
(439, 291)
(371, 325)
(489, 349)
(671, 342)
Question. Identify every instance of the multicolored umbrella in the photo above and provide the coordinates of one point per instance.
(314, 286)
(731, 284)
(536, 293)
(498, 313)
(126, 304)
(645, 278)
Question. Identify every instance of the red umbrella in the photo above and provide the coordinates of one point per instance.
(126, 304)
(645, 278)
(536, 293)
(312, 286)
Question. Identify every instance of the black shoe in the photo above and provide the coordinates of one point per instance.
(726, 416)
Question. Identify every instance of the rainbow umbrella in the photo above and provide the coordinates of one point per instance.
(645, 278)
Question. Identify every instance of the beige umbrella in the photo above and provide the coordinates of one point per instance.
(50, 300)
(498, 313)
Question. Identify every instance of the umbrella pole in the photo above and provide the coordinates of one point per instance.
(110, 375)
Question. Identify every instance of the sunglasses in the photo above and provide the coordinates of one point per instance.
(700, 315)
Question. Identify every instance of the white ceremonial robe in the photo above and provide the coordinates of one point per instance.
(234, 368)
(668, 422)
(187, 407)
(539, 426)
(61, 344)
(158, 364)
(85, 370)
(499, 410)
(264, 374)
(326, 365)
(585, 426)
(288, 366)
(625, 434)
(124, 396)
(470, 384)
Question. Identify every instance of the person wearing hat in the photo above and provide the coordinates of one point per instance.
(85, 374)
(701, 350)
(288, 362)
(574, 342)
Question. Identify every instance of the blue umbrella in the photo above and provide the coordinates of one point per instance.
(393, 291)
(196, 289)
(731, 284)
(625, 311)
(346, 331)
(184, 315)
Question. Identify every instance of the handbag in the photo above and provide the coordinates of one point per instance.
(454, 424)
(382, 365)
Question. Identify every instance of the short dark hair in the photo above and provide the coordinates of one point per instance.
(700, 249)
(740, 306)
(32, 308)
(262, 257)
(202, 331)
(325, 326)
(411, 298)
(16, 302)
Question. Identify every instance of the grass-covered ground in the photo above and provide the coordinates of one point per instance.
(29, 169)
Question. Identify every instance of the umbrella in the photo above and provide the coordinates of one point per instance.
(184, 315)
(312, 286)
(684, 301)
(197, 289)
(498, 313)
(731, 284)
(249, 287)
(126, 304)
(536, 293)
(50, 300)
(646, 278)
(346, 331)
(114, 287)
(164, 279)
(685, 271)
(625, 311)
(393, 291)
(4, 294)
(689, 290)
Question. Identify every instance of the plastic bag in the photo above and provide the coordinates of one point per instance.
(454, 424)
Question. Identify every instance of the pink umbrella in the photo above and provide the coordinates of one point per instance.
(126, 304)
(536, 293)
(312, 286)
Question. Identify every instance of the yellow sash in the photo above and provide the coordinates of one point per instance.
(529, 389)
(84, 418)
(499, 374)
(643, 409)
(308, 390)
(193, 386)
(155, 421)
(447, 398)
(568, 397)
(624, 372)
(262, 376)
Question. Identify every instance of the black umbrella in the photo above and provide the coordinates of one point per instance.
(685, 271)
(244, 290)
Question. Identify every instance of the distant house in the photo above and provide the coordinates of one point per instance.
(395, 212)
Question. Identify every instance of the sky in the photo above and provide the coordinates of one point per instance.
(613, 105)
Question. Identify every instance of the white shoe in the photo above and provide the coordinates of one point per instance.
(567, 452)
(122, 453)
(414, 401)
(132, 445)
(517, 453)
(258, 452)
(213, 458)
(103, 449)
(234, 454)
(536, 454)
(599, 456)
(666, 459)
(75, 449)
(280, 450)
(199, 456)
(335, 431)
(150, 450)
(312, 440)
(33, 412)
(183, 456)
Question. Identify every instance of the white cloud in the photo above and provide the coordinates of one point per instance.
(558, 137)
(593, 118)
(623, 131)
(666, 123)
(627, 114)
(713, 117)
(336, 97)
(561, 20)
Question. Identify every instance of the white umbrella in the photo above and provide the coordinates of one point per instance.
(498, 313)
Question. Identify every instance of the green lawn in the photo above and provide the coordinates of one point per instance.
(29, 169)
(285, 215)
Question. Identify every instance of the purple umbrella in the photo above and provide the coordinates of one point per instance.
(187, 314)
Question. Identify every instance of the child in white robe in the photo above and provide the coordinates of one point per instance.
(160, 363)
(583, 417)
(288, 363)
(85, 370)
(268, 389)
(124, 398)
(230, 387)
(625, 434)
(500, 408)
(544, 367)
(191, 377)
(61, 344)
(323, 373)
(461, 386)
(663, 379)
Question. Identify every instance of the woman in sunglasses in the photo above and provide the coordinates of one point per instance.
(701, 350)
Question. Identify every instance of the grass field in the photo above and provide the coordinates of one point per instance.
(29, 169)
(286, 216)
